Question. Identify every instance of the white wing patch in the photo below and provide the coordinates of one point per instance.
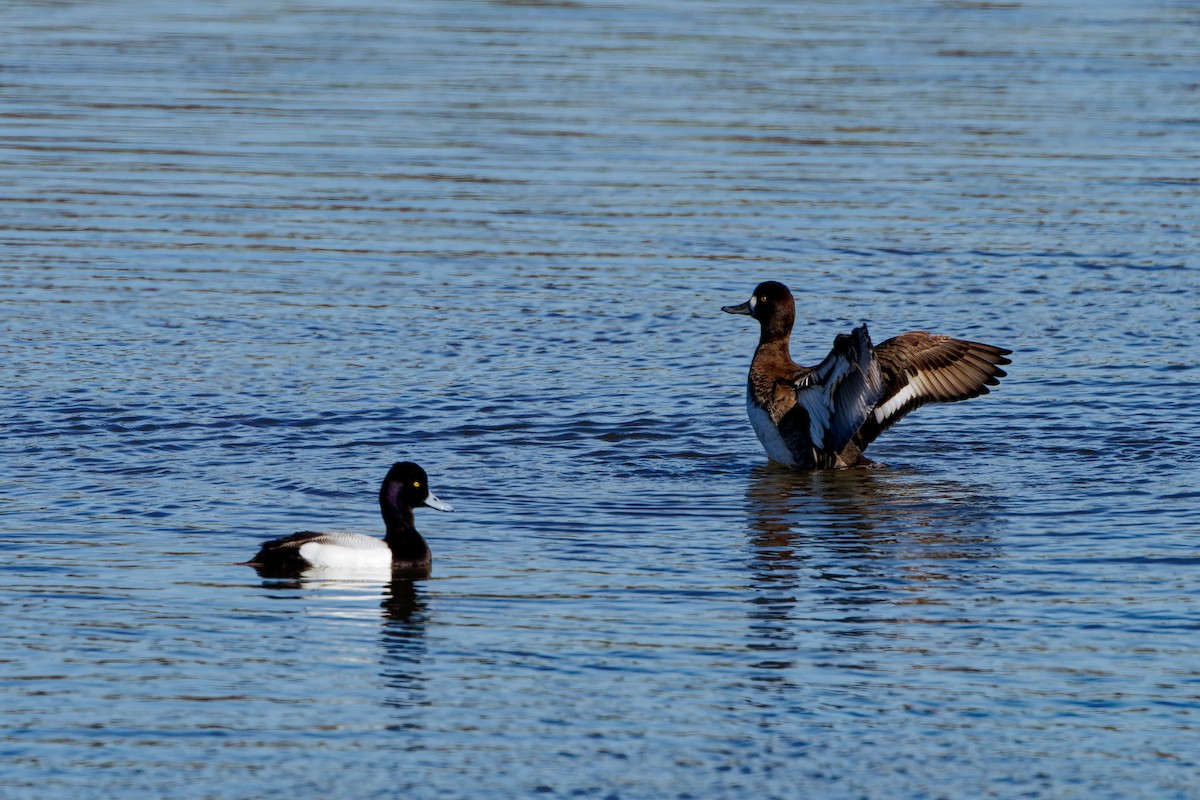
(915, 388)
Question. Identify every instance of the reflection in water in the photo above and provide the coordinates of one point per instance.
(848, 540)
(402, 631)
(864, 516)
(404, 649)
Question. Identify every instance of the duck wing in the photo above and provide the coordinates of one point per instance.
(921, 367)
(833, 399)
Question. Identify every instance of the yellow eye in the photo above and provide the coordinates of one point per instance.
(762, 299)
(417, 484)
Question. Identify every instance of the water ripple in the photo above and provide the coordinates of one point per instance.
(253, 256)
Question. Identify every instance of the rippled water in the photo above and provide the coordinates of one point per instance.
(254, 253)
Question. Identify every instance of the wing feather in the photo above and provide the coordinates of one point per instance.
(921, 367)
(833, 399)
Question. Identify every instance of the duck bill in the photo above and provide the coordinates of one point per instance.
(743, 308)
(441, 505)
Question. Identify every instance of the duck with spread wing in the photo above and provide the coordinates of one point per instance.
(824, 417)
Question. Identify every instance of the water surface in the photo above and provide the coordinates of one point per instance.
(251, 255)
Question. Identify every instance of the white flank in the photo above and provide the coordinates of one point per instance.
(349, 553)
(768, 434)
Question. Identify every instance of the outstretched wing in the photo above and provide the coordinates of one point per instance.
(833, 399)
(921, 367)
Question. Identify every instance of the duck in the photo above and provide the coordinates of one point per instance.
(825, 416)
(401, 550)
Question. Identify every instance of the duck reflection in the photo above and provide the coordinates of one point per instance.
(405, 614)
(402, 637)
(855, 524)
(849, 540)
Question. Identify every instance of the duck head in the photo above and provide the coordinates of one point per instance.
(772, 305)
(407, 486)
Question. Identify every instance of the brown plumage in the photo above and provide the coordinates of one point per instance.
(825, 416)
(921, 367)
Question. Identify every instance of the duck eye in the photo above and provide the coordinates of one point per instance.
(762, 298)
(417, 484)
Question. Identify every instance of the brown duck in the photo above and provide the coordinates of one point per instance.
(825, 416)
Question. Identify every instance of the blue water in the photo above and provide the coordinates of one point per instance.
(251, 254)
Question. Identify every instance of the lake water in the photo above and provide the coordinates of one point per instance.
(253, 253)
